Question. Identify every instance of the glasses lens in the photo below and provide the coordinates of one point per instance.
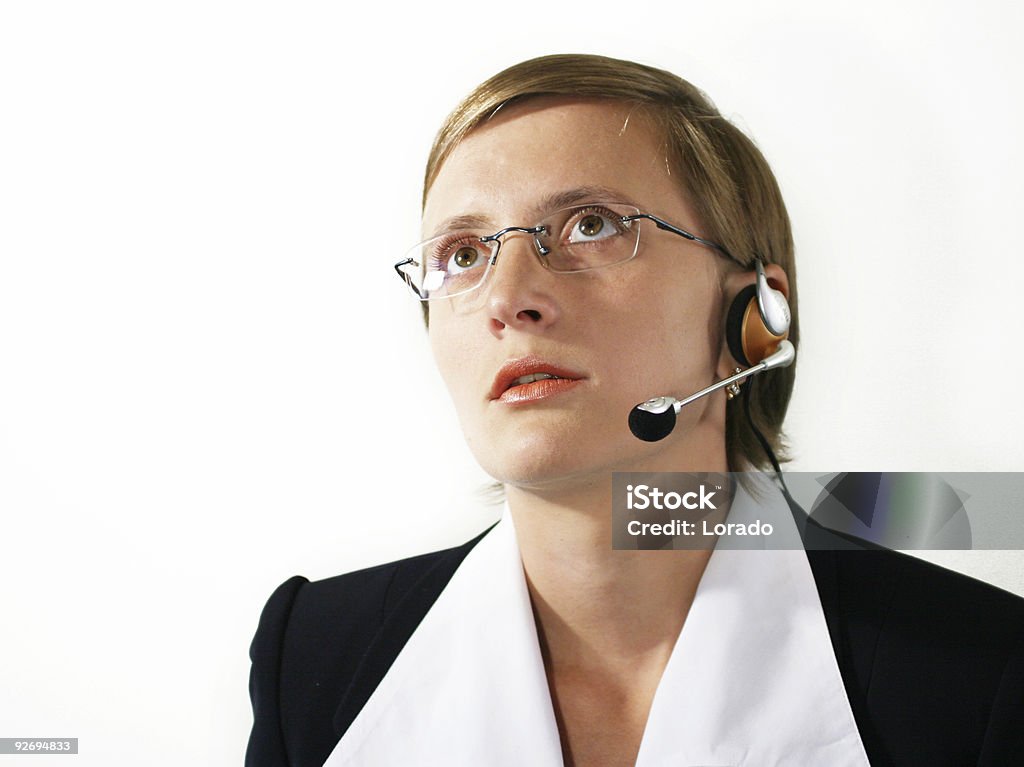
(589, 236)
(575, 239)
(447, 265)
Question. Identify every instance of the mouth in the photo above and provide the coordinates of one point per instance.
(528, 379)
(535, 377)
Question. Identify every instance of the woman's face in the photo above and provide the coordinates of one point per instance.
(620, 335)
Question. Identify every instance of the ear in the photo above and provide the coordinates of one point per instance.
(740, 285)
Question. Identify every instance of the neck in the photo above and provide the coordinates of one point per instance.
(597, 607)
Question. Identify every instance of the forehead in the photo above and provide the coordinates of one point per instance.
(509, 169)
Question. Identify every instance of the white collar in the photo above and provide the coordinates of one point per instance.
(752, 679)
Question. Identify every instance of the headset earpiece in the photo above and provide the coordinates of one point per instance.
(736, 320)
(772, 305)
(747, 323)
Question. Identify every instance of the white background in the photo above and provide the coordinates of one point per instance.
(210, 378)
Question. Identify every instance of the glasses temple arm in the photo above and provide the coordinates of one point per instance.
(666, 226)
(406, 278)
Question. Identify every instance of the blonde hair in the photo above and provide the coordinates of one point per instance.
(722, 174)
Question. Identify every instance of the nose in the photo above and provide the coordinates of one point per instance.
(520, 294)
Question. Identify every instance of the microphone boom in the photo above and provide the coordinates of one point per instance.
(655, 419)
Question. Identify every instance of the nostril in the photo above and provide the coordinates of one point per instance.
(533, 314)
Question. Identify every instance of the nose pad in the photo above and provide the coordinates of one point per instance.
(542, 249)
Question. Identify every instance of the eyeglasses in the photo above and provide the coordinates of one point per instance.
(577, 239)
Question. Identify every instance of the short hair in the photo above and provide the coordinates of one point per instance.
(723, 175)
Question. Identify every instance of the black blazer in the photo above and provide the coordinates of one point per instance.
(932, 660)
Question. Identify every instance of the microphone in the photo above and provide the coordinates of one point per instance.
(655, 419)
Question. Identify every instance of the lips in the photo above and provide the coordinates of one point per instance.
(531, 378)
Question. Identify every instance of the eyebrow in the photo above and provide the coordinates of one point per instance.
(545, 205)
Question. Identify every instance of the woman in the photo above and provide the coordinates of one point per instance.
(590, 225)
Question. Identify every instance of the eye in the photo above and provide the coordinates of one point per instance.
(593, 225)
(465, 257)
(455, 254)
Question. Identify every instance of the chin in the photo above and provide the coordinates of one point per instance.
(529, 467)
(543, 460)
(567, 458)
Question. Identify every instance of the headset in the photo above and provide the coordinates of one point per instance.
(756, 331)
(758, 321)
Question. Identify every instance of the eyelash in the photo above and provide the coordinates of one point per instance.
(447, 245)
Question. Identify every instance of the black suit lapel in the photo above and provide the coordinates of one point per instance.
(411, 594)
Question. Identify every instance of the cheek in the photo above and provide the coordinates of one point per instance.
(672, 332)
(452, 351)
(442, 348)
